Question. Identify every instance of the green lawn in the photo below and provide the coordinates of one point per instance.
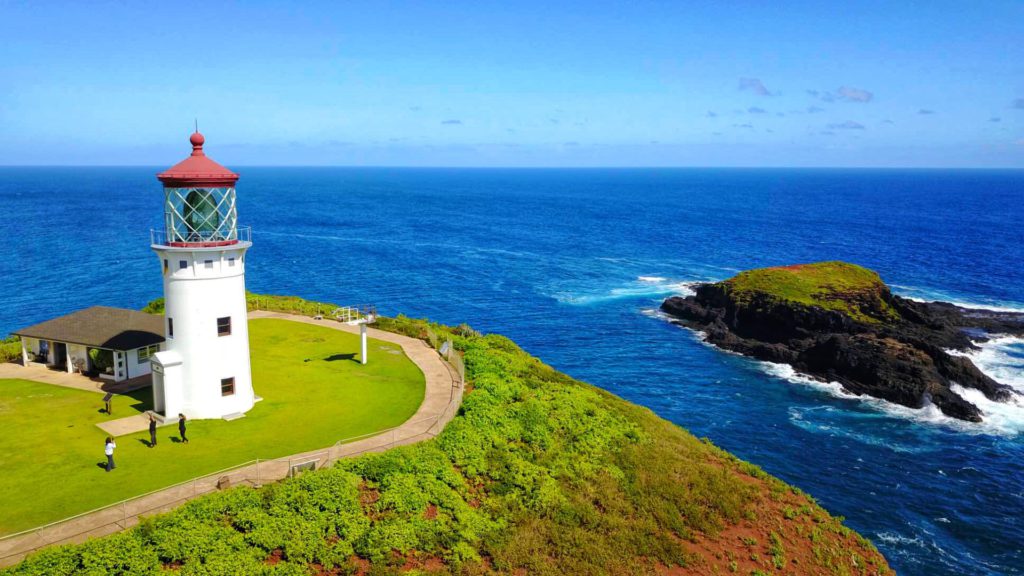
(315, 393)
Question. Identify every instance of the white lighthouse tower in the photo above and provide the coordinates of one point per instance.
(203, 371)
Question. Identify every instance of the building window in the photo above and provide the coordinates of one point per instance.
(224, 326)
(170, 328)
(208, 264)
(165, 265)
(231, 261)
(146, 352)
(227, 386)
(182, 264)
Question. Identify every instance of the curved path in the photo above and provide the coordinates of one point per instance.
(441, 400)
(440, 380)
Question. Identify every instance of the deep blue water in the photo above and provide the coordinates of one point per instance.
(570, 264)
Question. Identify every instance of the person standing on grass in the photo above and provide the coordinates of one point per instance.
(181, 428)
(152, 431)
(108, 449)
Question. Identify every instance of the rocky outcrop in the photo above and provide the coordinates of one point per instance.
(872, 342)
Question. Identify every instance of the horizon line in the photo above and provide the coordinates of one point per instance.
(535, 167)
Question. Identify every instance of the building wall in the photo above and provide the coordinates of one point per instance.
(129, 360)
(135, 368)
(207, 288)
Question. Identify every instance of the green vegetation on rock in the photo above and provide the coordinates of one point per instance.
(839, 286)
(538, 473)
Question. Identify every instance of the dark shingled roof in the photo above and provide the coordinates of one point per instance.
(101, 327)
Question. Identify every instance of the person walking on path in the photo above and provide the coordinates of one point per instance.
(108, 449)
(152, 431)
(181, 428)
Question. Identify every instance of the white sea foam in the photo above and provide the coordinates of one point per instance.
(928, 295)
(654, 279)
(927, 414)
(1002, 358)
(1006, 418)
(804, 417)
(1003, 419)
(637, 289)
(786, 372)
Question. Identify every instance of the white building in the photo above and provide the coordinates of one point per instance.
(110, 343)
(204, 369)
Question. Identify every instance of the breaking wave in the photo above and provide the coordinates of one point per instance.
(999, 418)
(642, 287)
(1001, 358)
(930, 295)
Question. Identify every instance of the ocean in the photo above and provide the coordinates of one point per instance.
(572, 265)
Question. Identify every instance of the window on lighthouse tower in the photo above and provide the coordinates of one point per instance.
(201, 214)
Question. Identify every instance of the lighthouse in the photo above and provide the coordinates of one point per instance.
(204, 369)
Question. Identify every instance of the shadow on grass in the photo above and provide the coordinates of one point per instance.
(336, 357)
(143, 398)
(138, 401)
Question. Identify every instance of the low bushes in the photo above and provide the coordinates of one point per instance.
(155, 306)
(10, 349)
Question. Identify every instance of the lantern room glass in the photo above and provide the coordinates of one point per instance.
(194, 215)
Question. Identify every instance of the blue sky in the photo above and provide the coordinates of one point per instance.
(931, 84)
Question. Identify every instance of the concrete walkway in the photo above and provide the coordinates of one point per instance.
(41, 373)
(127, 425)
(441, 401)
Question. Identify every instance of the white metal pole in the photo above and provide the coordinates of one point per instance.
(362, 337)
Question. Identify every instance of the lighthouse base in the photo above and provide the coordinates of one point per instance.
(171, 396)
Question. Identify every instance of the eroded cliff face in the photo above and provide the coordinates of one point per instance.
(858, 334)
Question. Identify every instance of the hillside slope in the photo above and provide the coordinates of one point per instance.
(538, 474)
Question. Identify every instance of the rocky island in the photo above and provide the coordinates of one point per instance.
(839, 322)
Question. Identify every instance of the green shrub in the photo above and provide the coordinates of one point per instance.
(10, 349)
(155, 306)
(101, 359)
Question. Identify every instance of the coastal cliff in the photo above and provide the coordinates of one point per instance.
(839, 322)
(538, 473)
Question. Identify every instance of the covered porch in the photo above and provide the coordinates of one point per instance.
(104, 343)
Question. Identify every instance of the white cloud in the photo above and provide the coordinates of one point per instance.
(754, 85)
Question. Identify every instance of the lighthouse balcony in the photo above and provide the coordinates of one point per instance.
(198, 238)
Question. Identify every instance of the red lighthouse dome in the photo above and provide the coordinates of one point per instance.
(199, 202)
(198, 170)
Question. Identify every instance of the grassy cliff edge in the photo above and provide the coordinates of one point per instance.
(538, 474)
